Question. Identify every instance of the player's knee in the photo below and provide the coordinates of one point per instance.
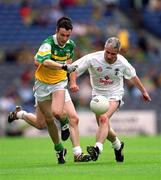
(103, 120)
(57, 114)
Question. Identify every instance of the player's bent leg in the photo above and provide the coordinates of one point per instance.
(57, 110)
(45, 108)
(13, 115)
(53, 131)
(73, 122)
(79, 156)
(36, 120)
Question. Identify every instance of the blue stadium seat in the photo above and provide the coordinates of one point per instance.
(152, 21)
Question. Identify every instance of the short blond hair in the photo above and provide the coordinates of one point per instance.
(114, 42)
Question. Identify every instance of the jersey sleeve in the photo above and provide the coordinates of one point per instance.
(43, 53)
(129, 71)
(83, 64)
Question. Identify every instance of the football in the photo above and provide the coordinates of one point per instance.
(99, 105)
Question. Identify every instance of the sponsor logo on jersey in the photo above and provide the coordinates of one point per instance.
(105, 81)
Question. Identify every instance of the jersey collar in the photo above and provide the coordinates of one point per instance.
(56, 42)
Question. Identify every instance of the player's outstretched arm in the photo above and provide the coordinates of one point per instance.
(136, 81)
(54, 65)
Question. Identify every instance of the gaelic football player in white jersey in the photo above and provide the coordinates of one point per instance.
(107, 69)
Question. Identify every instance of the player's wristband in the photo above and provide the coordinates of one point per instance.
(64, 67)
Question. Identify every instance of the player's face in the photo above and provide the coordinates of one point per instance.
(63, 35)
(110, 54)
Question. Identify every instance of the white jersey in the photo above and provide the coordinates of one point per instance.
(105, 77)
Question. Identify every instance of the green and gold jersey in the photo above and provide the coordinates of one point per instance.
(51, 50)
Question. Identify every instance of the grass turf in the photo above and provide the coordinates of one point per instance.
(34, 158)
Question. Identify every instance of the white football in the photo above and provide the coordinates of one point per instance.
(99, 105)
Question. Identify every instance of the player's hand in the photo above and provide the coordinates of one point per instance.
(73, 87)
(146, 96)
(69, 68)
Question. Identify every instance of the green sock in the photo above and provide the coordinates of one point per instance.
(58, 147)
(64, 121)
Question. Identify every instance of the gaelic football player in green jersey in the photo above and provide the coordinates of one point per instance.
(51, 94)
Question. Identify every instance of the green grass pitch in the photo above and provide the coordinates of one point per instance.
(34, 158)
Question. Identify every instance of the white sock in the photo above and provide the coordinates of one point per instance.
(116, 144)
(100, 146)
(77, 150)
(20, 114)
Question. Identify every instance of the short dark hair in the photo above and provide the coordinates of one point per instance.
(64, 22)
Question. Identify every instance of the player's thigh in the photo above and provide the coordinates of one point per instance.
(58, 100)
(112, 108)
(40, 116)
(45, 108)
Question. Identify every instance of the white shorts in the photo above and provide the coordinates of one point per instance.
(109, 96)
(44, 91)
